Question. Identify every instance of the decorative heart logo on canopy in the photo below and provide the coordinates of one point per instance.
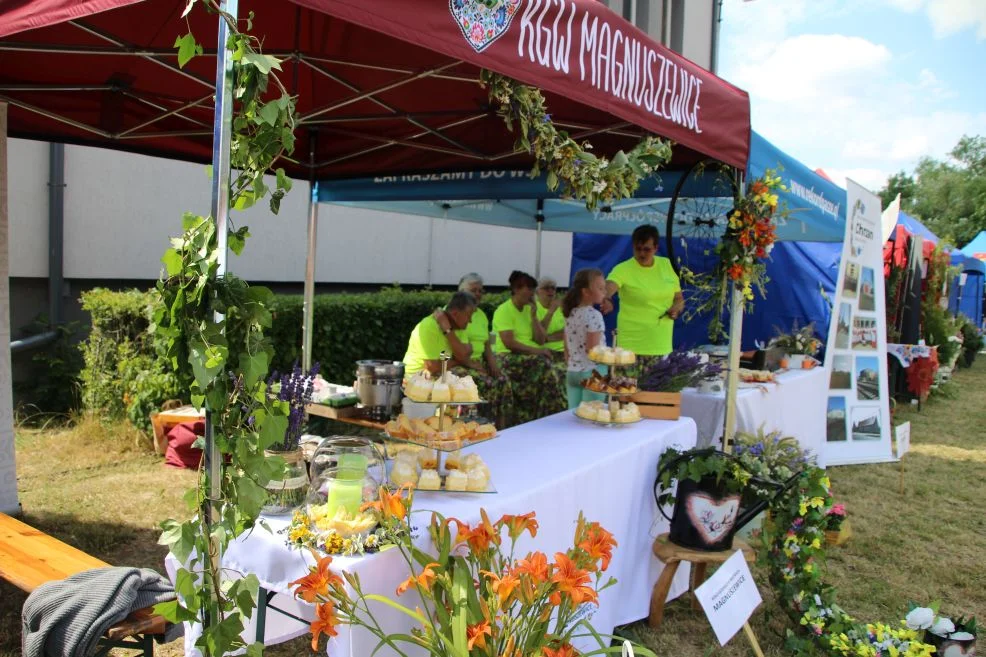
(483, 21)
(712, 518)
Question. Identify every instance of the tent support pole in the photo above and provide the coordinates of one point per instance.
(221, 133)
(539, 218)
(312, 245)
(732, 377)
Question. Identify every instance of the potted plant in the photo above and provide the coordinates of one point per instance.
(800, 345)
(950, 638)
(660, 383)
(472, 595)
(837, 530)
(287, 493)
(707, 499)
(769, 456)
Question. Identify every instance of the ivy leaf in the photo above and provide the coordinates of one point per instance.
(255, 649)
(254, 368)
(222, 638)
(273, 430)
(237, 239)
(250, 497)
(172, 262)
(263, 63)
(283, 182)
(269, 113)
(204, 362)
(187, 49)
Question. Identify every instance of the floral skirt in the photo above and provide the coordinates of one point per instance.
(496, 390)
(538, 386)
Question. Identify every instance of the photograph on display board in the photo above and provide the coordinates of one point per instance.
(867, 378)
(841, 377)
(864, 333)
(844, 326)
(866, 423)
(835, 417)
(867, 291)
(850, 283)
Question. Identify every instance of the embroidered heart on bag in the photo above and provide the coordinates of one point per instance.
(483, 21)
(712, 518)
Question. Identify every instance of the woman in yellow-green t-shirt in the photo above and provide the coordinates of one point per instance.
(538, 388)
(482, 366)
(551, 318)
(650, 299)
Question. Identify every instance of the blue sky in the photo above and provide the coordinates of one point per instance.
(860, 88)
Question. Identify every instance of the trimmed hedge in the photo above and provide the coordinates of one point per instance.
(124, 375)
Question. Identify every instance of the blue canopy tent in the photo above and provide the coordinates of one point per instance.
(966, 293)
(915, 227)
(977, 247)
(803, 266)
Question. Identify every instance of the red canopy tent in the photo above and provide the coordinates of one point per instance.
(388, 86)
(383, 83)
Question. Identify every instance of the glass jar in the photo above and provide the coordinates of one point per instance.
(349, 453)
(288, 493)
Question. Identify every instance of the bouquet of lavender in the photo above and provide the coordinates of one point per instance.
(677, 370)
(296, 388)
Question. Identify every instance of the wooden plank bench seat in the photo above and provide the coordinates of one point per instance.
(29, 558)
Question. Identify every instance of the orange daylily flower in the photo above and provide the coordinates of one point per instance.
(599, 543)
(390, 505)
(424, 580)
(480, 537)
(571, 580)
(325, 623)
(502, 586)
(516, 525)
(316, 583)
(758, 188)
(476, 635)
(535, 565)
(565, 650)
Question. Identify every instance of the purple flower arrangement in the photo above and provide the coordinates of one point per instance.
(296, 388)
(677, 370)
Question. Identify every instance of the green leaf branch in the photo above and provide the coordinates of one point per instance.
(566, 163)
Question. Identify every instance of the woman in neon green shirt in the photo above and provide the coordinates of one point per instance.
(650, 299)
(437, 333)
(550, 315)
(493, 385)
(538, 388)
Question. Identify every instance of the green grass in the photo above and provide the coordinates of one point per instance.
(97, 487)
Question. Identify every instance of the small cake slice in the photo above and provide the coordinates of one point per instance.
(440, 392)
(429, 480)
(403, 472)
(478, 480)
(456, 480)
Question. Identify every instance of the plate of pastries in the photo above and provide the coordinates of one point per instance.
(612, 355)
(610, 384)
(454, 434)
(463, 474)
(421, 387)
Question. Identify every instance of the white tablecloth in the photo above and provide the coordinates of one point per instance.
(795, 405)
(557, 467)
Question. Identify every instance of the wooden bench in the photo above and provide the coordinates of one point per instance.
(29, 558)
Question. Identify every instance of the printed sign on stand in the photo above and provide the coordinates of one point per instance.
(858, 409)
(729, 597)
(903, 435)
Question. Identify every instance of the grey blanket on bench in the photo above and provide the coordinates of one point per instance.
(67, 617)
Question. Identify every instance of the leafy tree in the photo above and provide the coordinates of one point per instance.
(949, 195)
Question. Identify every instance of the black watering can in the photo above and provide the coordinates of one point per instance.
(706, 516)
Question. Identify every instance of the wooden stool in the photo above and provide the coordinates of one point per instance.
(671, 556)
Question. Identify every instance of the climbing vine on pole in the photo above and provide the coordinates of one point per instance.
(212, 327)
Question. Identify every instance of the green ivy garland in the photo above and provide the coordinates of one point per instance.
(212, 328)
(795, 538)
(568, 164)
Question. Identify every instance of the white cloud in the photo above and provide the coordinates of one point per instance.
(948, 16)
(812, 66)
(843, 103)
(871, 179)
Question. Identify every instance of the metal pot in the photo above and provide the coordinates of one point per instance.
(378, 383)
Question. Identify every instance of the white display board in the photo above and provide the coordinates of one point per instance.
(8, 469)
(858, 408)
